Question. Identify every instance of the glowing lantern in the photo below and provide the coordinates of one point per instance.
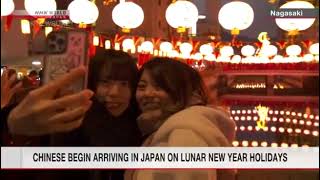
(226, 51)
(127, 15)
(248, 50)
(7, 7)
(166, 47)
(127, 44)
(294, 25)
(236, 16)
(33, 6)
(147, 47)
(186, 48)
(25, 26)
(206, 49)
(293, 50)
(83, 12)
(181, 15)
(314, 49)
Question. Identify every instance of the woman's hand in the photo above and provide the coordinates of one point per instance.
(40, 113)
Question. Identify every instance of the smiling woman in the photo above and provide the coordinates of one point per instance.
(111, 121)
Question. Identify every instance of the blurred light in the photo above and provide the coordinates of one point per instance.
(248, 50)
(242, 128)
(83, 12)
(128, 44)
(182, 14)
(295, 121)
(308, 58)
(311, 116)
(257, 128)
(236, 118)
(7, 7)
(276, 112)
(293, 113)
(309, 123)
(274, 144)
(305, 146)
(25, 26)
(117, 46)
(314, 49)
(233, 112)
(287, 112)
(282, 112)
(264, 144)
(270, 112)
(274, 119)
(295, 24)
(298, 131)
(226, 51)
(265, 129)
(235, 143)
(96, 40)
(36, 63)
(128, 15)
(238, 111)
(166, 47)
(281, 129)
(254, 143)
(249, 112)
(250, 128)
(288, 120)
(245, 143)
(273, 129)
(317, 117)
(48, 30)
(243, 118)
(299, 114)
(236, 15)
(281, 120)
(236, 128)
(243, 111)
(255, 118)
(305, 116)
(284, 145)
(289, 130)
(147, 46)
(206, 49)
(307, 132)
(249, 118)
(301, 122)
(316, 124)
(294, 145)
(186, 48)
(107, 44)
(315, 133)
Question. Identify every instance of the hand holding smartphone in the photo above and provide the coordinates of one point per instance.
(66, 50)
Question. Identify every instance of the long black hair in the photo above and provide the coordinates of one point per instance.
(112, 65)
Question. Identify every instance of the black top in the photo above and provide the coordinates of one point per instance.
(100, 128)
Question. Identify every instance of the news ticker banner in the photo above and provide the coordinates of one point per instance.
(159, 158)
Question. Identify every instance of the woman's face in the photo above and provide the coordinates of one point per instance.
(115, 95)
(150, 96)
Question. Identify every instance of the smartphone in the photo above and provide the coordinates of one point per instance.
(66, 50)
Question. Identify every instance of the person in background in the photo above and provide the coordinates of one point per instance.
(9, 87)
(173, 101)
(111, 121)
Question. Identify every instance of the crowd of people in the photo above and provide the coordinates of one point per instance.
(164, 103)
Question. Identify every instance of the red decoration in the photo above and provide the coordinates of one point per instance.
(8, 23)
